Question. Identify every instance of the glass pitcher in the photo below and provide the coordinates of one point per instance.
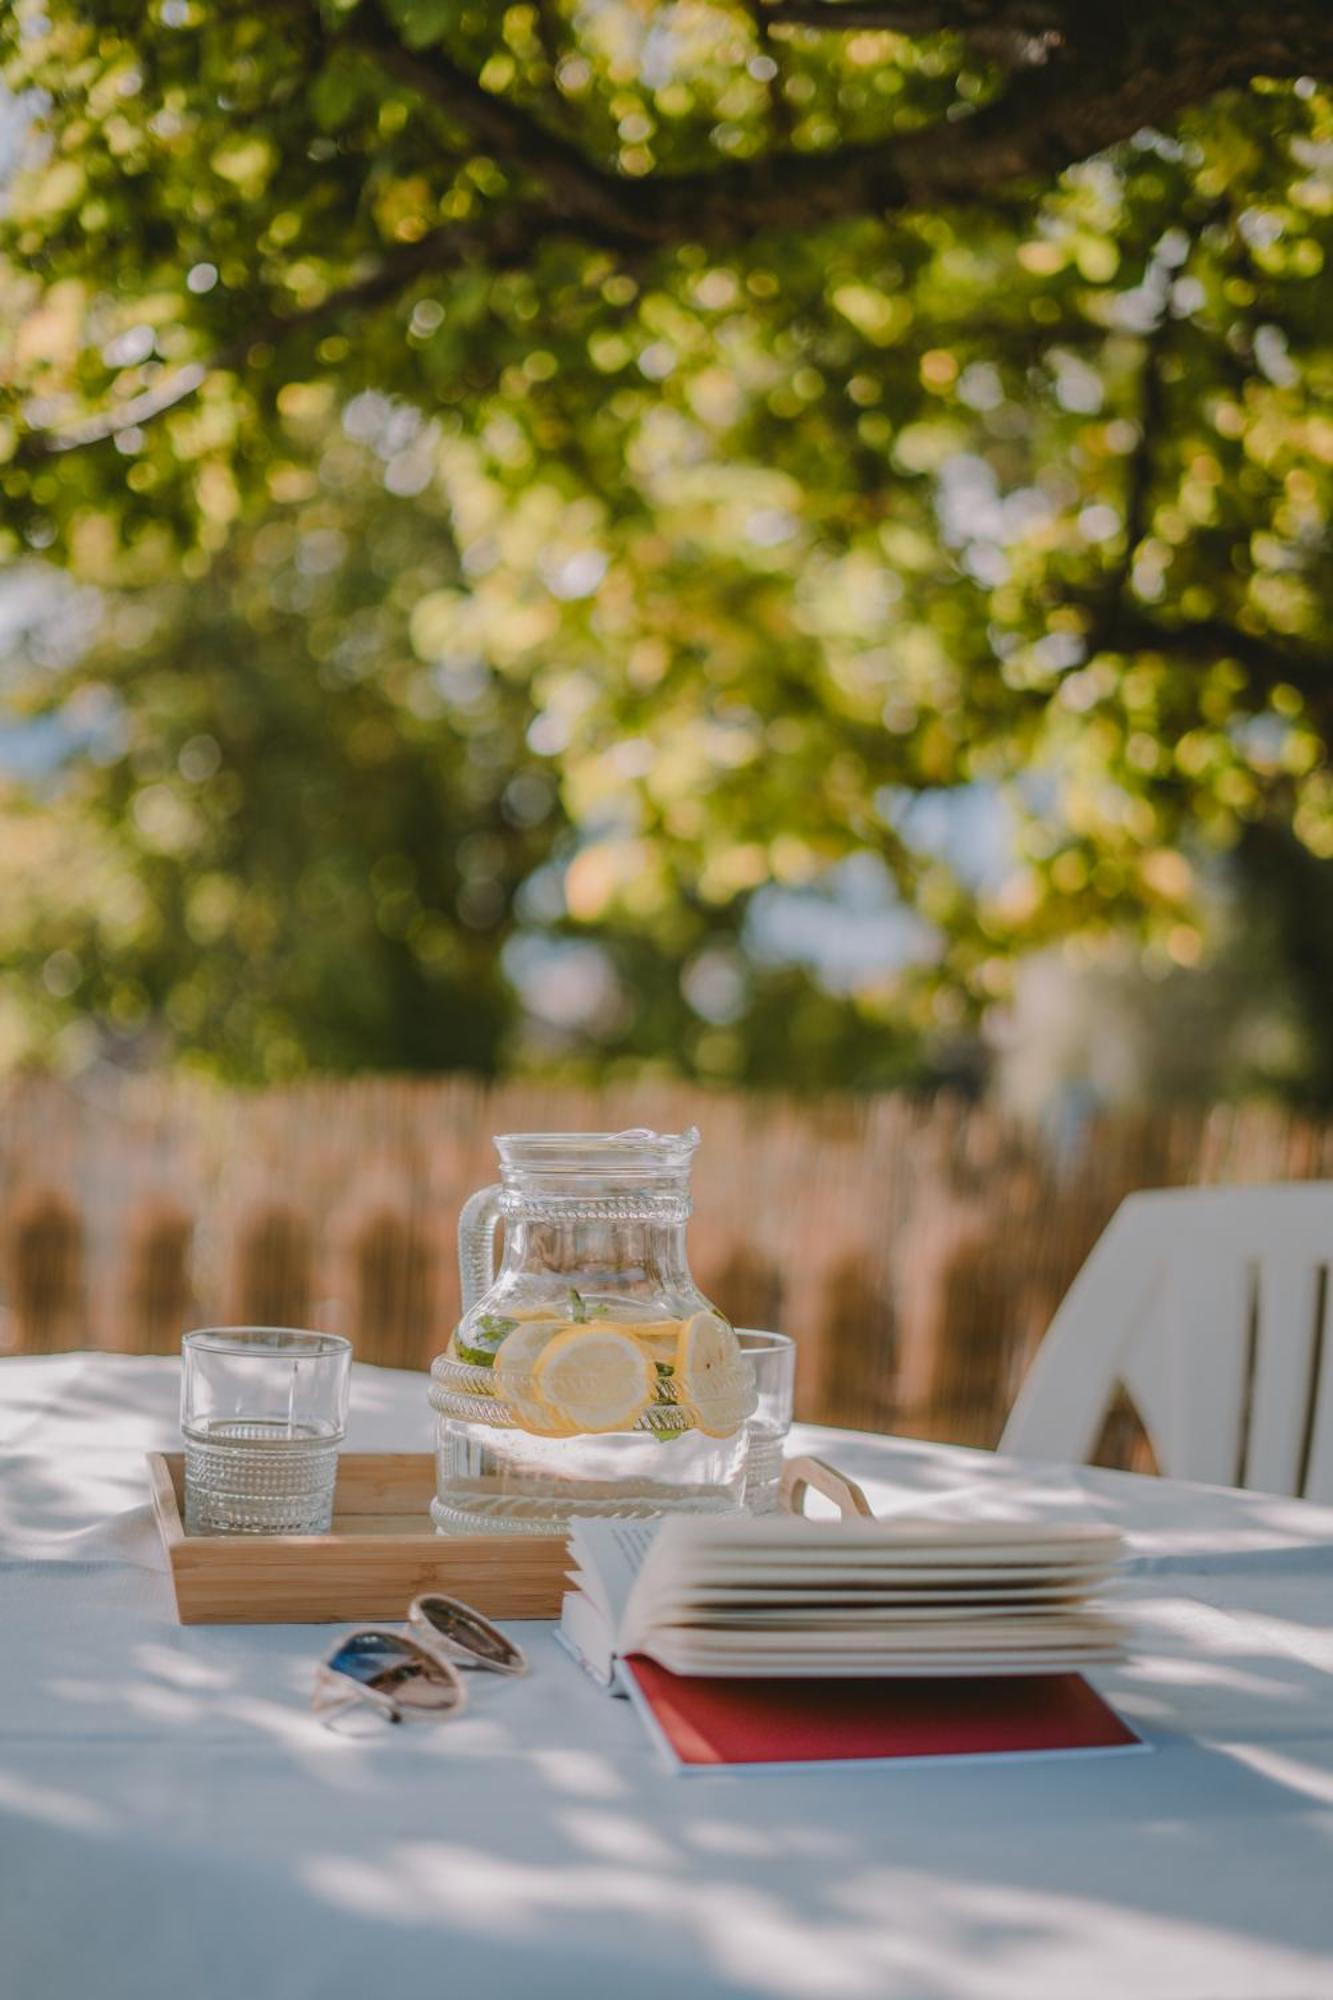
(588, 1375)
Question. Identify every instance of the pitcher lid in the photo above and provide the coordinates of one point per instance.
(634, 1155)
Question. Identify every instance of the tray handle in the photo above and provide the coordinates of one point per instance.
(800, 1474)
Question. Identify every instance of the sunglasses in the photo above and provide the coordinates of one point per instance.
(401, 1676)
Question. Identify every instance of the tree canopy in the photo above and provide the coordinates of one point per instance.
(560, 486)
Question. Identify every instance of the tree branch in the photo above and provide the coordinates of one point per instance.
(578, 189)
(1269, 662)
(782, 122)
(1110, 598)
(920, 17)
(508, 241)
(1047, 119)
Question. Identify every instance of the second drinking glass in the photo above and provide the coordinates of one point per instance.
(263, 1411)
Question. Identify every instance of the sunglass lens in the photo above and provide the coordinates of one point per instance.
(399, 1668)
(367, 1656)
(431, 1691)
(465, 1628)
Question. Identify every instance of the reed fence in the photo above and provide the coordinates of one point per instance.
(917, 1250)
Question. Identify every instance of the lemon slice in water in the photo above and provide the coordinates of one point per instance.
(514, 1362)
(660, 1338)
(594, 1378)
(712, 1379)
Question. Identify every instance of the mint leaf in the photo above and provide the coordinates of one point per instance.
(486, 1336)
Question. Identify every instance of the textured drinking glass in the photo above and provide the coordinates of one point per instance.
(263, 1410)
(772, 1356)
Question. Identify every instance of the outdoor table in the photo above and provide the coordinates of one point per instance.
(173, 1821)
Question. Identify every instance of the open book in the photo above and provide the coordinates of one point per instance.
(792, 1598)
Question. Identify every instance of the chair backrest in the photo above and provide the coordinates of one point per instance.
(1211, 1306)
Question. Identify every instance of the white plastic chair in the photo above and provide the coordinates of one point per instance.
(1211, 1306)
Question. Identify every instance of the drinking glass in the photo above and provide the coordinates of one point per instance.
(772, 1356)
(263, 1411)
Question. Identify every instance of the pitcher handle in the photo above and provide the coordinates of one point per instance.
(476, 1244)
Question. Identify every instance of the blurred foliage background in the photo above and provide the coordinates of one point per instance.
(781, 544)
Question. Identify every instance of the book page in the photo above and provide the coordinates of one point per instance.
(611, 1554)
(700, 1595)
(911, 1538)
(1000, 1636)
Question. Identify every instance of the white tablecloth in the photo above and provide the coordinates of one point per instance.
(174, 1823)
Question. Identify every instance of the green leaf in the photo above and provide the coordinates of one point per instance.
(424, 21)
(337, 92)
(488, 1335)
(496, 1325)
(476, 1357)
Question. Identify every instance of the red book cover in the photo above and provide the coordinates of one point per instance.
(703, 1724)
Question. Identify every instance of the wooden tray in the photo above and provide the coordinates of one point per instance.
(382, 1550)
